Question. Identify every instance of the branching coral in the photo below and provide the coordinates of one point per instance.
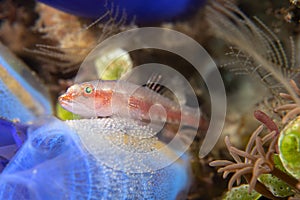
(259, 51)
(255, 161)
(292, 108)
(250, 163)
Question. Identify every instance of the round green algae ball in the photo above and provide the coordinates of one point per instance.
(289, 147)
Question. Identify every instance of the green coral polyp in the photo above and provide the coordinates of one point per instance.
(241, 193)
(278, 187)
(289, 147)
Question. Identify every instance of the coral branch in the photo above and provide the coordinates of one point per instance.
(255, 161)
(292, 108)
(266, 120)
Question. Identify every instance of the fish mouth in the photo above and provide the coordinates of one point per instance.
(70, 104)
(64, 100)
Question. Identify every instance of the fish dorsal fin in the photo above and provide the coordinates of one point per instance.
(154, 83)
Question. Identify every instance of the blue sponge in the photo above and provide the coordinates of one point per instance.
(52, 164)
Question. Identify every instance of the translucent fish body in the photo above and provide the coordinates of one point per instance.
(125, 99)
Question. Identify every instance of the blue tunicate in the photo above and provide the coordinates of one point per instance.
(12, 136)
(7, 130)
(145, 11)
(22, 96)
(11, 107)
(3, 162)
(12, 133)
(52, 164)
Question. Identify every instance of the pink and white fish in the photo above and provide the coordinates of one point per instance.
(101, 98)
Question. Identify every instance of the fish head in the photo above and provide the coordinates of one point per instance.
(89, 99)
(79, 99)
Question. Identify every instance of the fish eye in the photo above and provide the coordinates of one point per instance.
(88, 90)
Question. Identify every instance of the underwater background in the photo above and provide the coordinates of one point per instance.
(197, 99)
